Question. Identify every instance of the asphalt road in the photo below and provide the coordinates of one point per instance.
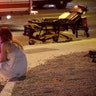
(16, 23)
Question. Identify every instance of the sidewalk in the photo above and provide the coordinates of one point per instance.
(42, 52)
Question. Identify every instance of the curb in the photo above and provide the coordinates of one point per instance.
(7, 90)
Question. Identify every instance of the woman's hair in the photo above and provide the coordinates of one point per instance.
(5, 34)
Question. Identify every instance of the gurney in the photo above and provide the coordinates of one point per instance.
(50, 28)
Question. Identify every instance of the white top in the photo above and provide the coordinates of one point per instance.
(16, 65)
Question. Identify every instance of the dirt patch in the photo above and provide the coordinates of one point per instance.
(66, 75)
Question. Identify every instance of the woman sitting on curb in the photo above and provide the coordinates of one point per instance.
(13, 63)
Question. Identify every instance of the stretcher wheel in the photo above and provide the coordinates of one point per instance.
(37, 36)
(31, 42)
(55, 38)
